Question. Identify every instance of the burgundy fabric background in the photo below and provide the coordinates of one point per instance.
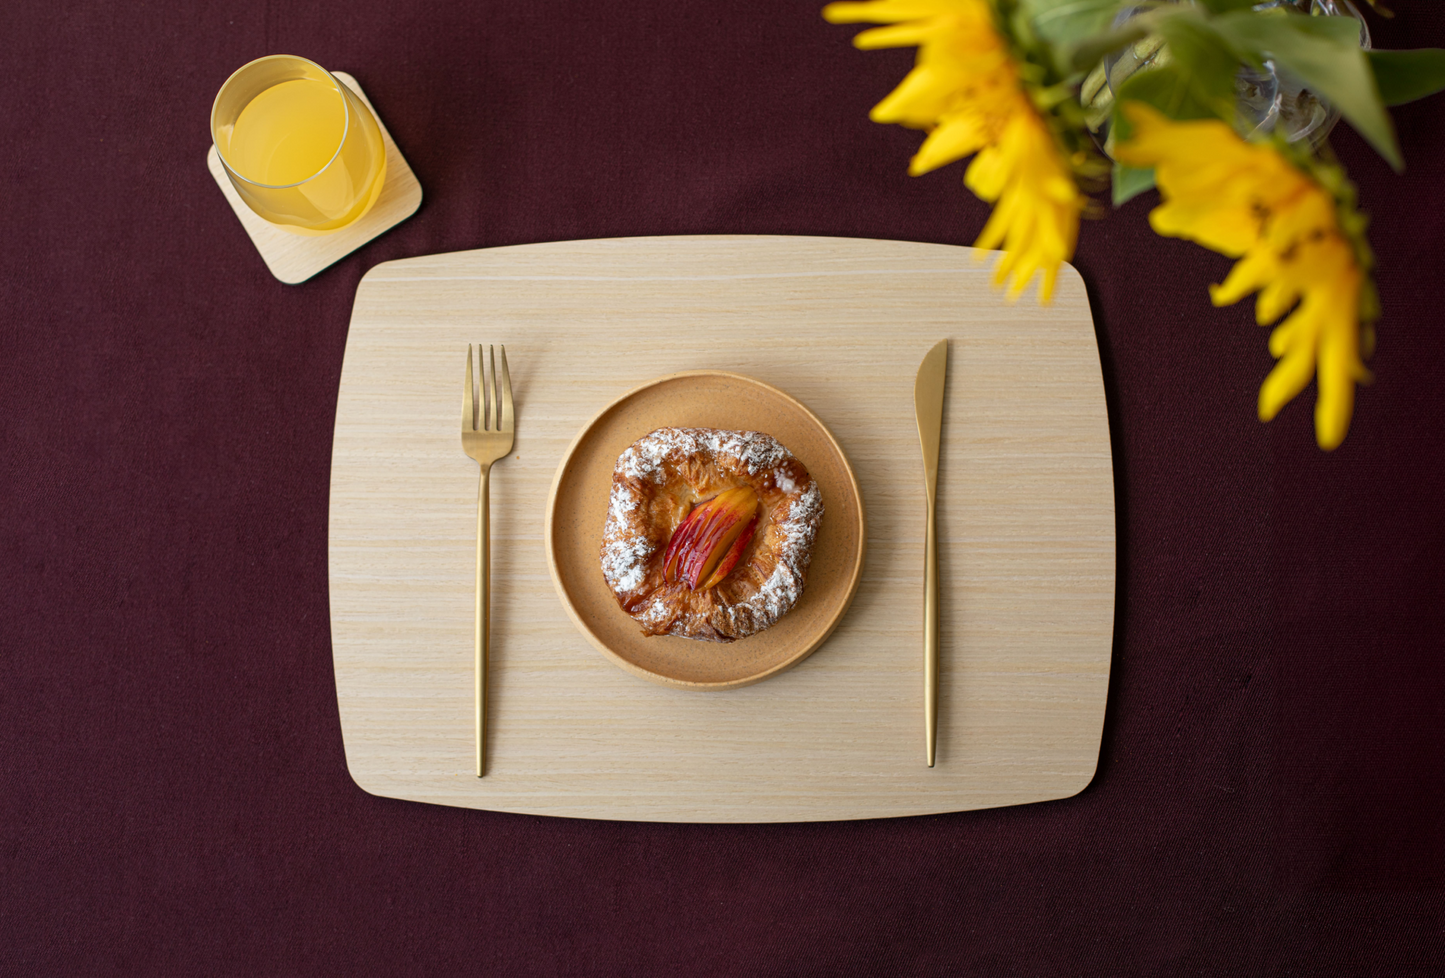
(173, 791)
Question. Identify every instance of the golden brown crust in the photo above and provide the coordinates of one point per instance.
(655, 484)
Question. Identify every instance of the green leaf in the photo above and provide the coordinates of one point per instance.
(1168, 89)
(1208, 64)
(1193, 78)
(1130, 182)
(1338, 28)
(1224, 6)
(1066, 21)
(1404, 76)
(1325, 53)
(1085, 54)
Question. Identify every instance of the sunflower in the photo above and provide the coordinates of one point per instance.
(1247, 201)
(967, 92)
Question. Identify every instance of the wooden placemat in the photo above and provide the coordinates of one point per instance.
(294, 258)
(1026, 513)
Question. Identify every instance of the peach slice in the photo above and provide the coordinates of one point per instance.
(673, 554)
(731, 558)
(707, 539)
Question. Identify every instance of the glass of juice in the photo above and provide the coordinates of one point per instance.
(301, 148)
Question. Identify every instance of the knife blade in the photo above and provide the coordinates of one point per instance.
(928, 410)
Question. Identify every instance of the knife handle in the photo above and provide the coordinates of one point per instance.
(930, 638)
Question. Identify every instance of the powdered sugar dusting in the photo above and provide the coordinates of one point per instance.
(645, 458)
(624, 555)
(783, 588)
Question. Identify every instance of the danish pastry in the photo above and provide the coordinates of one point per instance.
(709, 532)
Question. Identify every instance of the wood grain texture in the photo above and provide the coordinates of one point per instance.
(1026, 518)
(294, 258)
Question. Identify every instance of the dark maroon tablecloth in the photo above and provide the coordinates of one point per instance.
(173, 792)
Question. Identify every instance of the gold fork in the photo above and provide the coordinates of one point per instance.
(487, 427)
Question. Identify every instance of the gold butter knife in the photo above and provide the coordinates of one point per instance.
(928, 408)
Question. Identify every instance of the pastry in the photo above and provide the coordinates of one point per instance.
(709, 532)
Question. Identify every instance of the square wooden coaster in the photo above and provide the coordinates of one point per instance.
(294, 258)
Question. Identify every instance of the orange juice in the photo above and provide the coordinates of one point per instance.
(288, 132)
(301, 149)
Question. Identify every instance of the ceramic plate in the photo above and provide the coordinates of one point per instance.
(577, 510)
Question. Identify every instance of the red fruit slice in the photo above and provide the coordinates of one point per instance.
(706, 537)
(731, 558)
(671, 556)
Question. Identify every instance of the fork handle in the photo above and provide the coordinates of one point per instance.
(483, 632)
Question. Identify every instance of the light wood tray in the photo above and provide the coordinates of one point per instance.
(1026, 514)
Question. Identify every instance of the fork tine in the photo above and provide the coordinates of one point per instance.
(506, 416)
(489, 393)
(469, 410)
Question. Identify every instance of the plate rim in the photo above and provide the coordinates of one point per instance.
(855, 577)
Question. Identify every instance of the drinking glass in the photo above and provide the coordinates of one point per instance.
(301, 149)
(1267, 98)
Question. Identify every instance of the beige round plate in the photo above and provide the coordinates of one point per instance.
(577, 510)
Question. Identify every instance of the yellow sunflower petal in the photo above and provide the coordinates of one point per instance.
(1248, 201)
(987, 175)
(1046, 284)
(999, 222)
(1335, 404)
(955, 139)
(1275, 299)
(1290, 376)
(917, 101)
(905, 35)
(965, 88)
(1247, 275)
(1229, 232)
(882, 11)
(1339, 369)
